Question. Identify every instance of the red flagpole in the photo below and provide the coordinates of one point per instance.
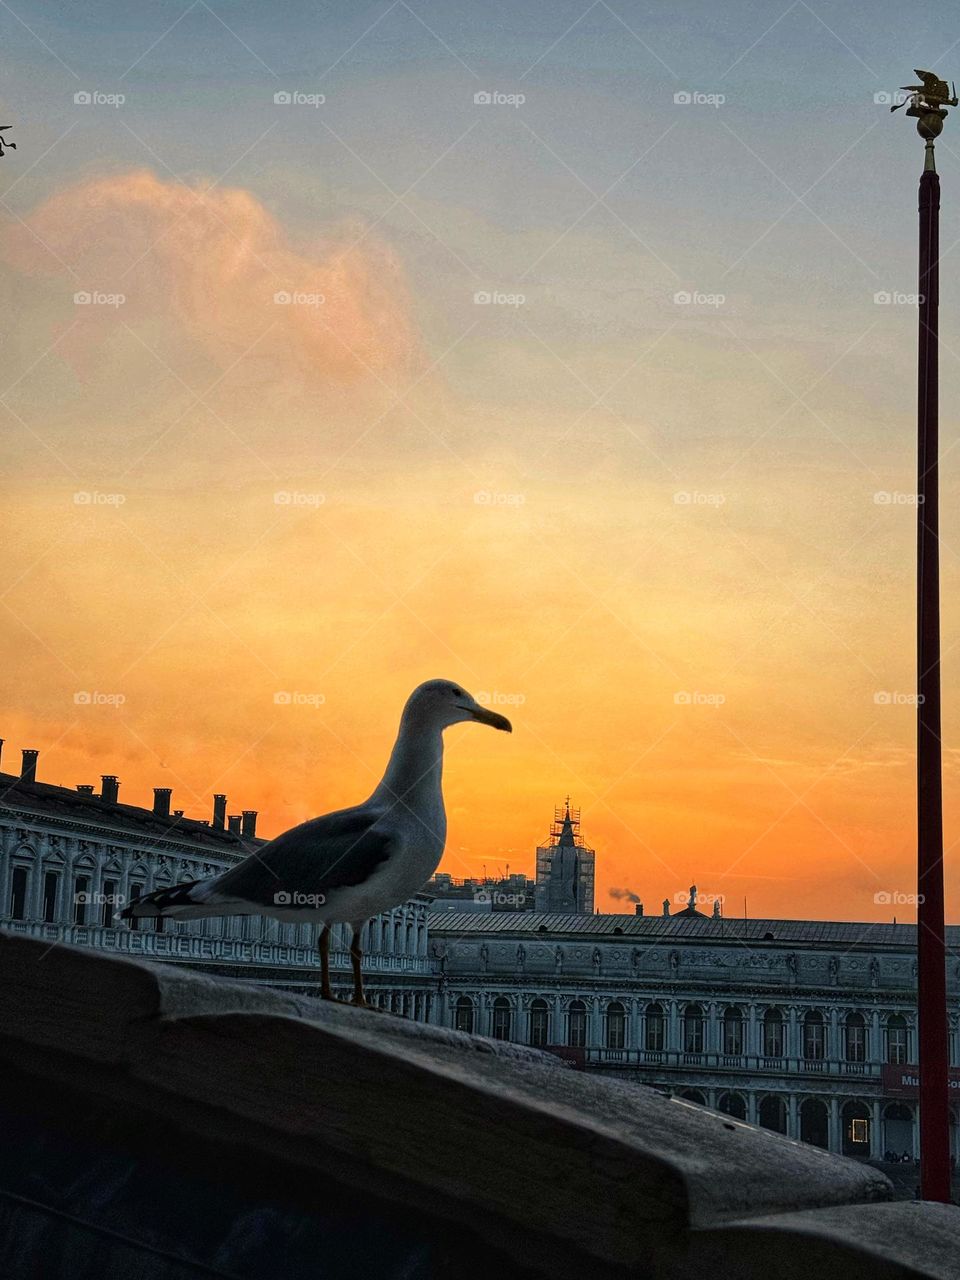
(931, 958)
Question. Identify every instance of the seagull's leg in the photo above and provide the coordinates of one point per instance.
(323, 946)
(356, 955)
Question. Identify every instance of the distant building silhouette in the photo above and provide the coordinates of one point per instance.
(565, 867)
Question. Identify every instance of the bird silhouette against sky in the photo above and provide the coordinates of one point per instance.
(354, 863)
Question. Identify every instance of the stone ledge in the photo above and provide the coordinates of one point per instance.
(614, 1170)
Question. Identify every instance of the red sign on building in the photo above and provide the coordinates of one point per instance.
(901, 1081)
(576, 1059)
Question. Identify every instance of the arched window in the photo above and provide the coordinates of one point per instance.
(772, 1113)
(19, 879)
(384, 935)
(501, 1018)
(655, 1036)
(733, 1031)
(897, 1131)
(616, 1025)
(814, 1040)
(733, 1104)
(693, 1095)
(773, 1034)
(855, 1038)
(51, 894)
(539, 1023)
(813, 1122)
(856, 1129)
(463, 1016)
(897, 1038)
(693, 1029)
(577, 1025)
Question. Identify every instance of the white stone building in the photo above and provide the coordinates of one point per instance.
(70, 859)
(804, 1027)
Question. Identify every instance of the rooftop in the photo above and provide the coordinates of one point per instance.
(79, 809)
(713, 929)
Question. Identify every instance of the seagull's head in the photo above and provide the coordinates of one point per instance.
(441, 703)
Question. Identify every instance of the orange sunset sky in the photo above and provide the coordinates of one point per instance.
(284, 448)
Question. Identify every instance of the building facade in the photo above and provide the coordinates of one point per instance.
(71, 859)
(804, 1027)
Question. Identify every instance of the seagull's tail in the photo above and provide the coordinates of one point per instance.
(189, 901)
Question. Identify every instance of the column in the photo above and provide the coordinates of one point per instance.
(711, 1035)
(594, 1024)
(833, 1126)
(751, 1106)
(793, 1117)
(751, 1043)
(875, 1139)
(673, 1027)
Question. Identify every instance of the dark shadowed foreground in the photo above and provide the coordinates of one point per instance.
(158, 1124)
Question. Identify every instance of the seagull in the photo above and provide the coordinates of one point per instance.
(346, 866)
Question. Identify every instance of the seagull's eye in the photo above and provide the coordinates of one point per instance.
(457, 693)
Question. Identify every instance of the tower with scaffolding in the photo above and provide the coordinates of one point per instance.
(565, 867)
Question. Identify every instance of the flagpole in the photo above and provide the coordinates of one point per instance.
(927, 105)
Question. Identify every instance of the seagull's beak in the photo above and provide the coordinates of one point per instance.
(491, 718)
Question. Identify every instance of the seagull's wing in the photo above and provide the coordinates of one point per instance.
(332, 852)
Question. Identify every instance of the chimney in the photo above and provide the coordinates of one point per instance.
(249, 828)
(85, 788)
(161, 801)
(219, 812)
(28, 770)
(666, 906)
(638, 909)
(110, 787)
(233, 823)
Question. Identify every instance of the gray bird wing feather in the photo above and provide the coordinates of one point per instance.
(332, 852)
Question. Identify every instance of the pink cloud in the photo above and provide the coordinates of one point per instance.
(216, 262)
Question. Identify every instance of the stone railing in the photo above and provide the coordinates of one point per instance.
(169, 1124)
(756, 1065)
(194, 948)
